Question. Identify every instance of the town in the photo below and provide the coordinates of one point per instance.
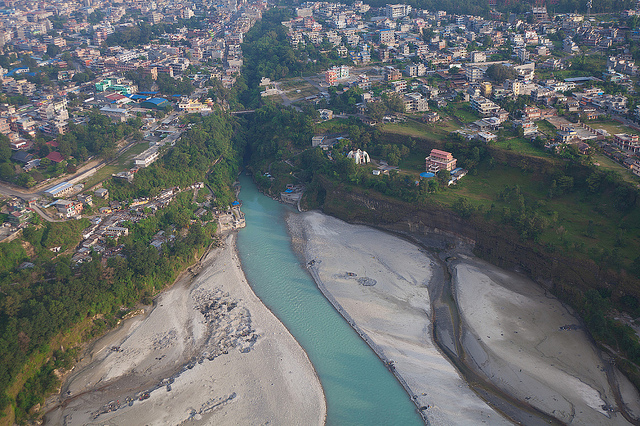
(125, 124)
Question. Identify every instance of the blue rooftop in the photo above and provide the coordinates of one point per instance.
(157, 101)
(13, 71)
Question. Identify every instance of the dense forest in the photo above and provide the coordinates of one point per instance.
(41, 300)
(133, 36)
(268, 53)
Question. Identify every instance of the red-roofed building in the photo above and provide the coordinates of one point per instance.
(53, 143)
(55, 156)
(440, 160)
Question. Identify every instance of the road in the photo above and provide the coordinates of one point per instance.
(36, 192)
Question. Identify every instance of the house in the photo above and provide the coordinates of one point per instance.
(627, 142)
(431, 117)
(69, 208)
(317, 140)
(583, 148)
(22, 157)
(55, 157)
(19, 217)
(486, 137)
(359, 156)
(86, 199)
(325, 114)
(440, 160)
(102, 193)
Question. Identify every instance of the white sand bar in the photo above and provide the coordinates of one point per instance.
(533, 347)
(394, 314)
(209, 353)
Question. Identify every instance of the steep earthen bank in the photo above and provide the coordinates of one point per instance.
(566, 277)
(492, 242)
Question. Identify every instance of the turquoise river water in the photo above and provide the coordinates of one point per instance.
(358, 387)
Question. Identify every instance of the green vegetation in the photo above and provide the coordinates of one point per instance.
(500, 73)
(50, 298)
(134, 36)
(206, 152)
(558, 207)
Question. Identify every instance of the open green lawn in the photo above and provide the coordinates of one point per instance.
(462, 112)
(124, 162)
(547, 128)
(294, 95)
(574, 211)
(101, 175)
(127, 158)
(414, 162)
(421, 130)
(611, 126)
(522, 146)
(607, 163)
(293, 83)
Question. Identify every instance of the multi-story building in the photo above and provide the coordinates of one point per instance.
(398, 85)
(478, 56)
(485, 89)
(415, 102)
(484, 106)
(473, 74)
(440, 160)
(532, 113)
(395, 11)
(387, 36)
(627, 142)
(391, 73)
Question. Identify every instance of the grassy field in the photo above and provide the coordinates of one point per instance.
(612, 126)
(547, 128)
(294, 83)
(124, 162)
(607, 163)
(462, 113)
(522, 146)
(568, 215)
(421, 130)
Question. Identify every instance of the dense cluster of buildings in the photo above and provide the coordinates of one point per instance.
(65, 41)
(459, 49)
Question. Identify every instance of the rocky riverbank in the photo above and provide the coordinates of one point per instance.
(209, 352)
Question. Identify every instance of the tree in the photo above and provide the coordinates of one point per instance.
(5, 148)
(444, 176)
(6, 171)
(500, 73)
(376, 110)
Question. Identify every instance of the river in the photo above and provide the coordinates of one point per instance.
(358, 387)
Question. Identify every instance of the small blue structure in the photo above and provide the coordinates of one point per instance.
(426, 175)
(456, 170)
(235, 203)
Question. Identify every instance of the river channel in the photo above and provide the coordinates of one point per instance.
(358, 387)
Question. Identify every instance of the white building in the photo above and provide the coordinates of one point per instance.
(147, 157)
(395, 11)
(359, 156)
